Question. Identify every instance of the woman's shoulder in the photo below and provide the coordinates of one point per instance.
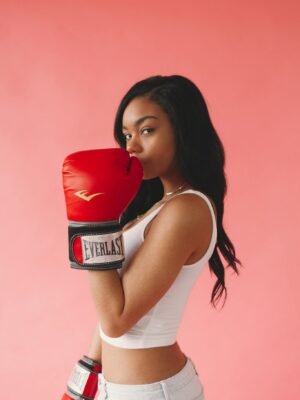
(192, 202)
(186, 211)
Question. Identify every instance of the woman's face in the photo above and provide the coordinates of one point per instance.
(149, 137)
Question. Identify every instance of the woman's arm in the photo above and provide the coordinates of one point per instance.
(95, 351)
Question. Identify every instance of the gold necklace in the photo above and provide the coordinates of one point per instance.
(175, 191)
(160, 201)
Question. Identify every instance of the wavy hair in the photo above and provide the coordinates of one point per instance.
(199, 152)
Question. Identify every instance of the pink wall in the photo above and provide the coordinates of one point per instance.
(64, 67)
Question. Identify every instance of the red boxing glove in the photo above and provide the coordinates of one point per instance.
(98, 186)
(83, 381)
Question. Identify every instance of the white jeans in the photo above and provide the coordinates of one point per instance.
(185, 385)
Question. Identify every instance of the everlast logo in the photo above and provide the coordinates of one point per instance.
(105, 248)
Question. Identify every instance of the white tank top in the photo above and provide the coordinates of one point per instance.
(159, 326)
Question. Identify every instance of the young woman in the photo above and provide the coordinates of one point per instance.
(172, 230)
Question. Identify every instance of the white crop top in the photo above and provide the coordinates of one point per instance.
(159, 326)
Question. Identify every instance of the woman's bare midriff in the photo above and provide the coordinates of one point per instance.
(141, 366)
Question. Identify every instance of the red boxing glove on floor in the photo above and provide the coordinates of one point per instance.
(98, 186)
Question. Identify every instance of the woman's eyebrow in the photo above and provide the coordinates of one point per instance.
(140, 120)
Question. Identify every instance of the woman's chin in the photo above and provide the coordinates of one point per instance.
(148, 177)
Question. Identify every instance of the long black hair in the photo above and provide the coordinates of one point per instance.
(199, 152)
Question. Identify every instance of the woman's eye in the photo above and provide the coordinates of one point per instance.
(143, 130)
(125, 135)
(147, 129)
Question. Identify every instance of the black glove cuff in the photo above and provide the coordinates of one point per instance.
(90, 364)
(96, 246)
(83, 381)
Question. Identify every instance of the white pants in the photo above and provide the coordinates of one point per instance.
(185, 385)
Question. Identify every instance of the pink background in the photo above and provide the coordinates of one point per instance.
(64, 67)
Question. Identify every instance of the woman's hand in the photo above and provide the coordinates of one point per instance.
(98, 187)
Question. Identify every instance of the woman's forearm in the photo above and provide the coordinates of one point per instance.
(108, 297)
(95, 350)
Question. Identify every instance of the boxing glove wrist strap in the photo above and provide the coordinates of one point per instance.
(83, 381)
(95, 245)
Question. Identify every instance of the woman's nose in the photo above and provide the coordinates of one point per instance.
(133, 146)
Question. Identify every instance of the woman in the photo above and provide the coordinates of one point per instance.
(171, 229)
